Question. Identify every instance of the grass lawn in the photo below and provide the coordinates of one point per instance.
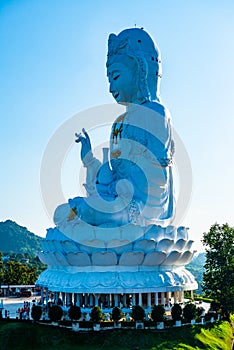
(28, 336)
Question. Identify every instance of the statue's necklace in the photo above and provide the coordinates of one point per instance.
(118, 129)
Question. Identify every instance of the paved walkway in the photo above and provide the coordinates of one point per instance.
(12, 304)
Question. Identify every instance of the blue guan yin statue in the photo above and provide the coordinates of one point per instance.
(119, 240)
(135, 185)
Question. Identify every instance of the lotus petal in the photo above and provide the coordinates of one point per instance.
(123, 246)
(186, 257)
(104, 259)
(69, 246)
(78, 259)
(144, 244)
(172, 258)
(45, 245)
(165, 245)
(154, 232)
(189, 245)
(89, 246)
(170, 232)
(180, 244)
(131, 258)
(61, 259)
(43, 257)
(182, 233)
(154, 258)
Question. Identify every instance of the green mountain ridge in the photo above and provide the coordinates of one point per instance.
(17, 239)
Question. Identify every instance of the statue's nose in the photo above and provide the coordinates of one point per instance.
(111, 88)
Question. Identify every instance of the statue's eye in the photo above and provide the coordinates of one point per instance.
(115, 77)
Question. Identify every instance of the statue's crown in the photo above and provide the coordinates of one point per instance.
(133, 42)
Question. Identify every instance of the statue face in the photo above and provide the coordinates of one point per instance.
(123, 82)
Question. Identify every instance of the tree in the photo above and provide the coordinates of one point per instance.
(189, 311)
(176, 312)
(74, 312)
(218, 279)
(1, 269)
(96, 314)
(36, 312)
(157, 313)
(116, 314)
(138, 313)
(17, 273)
(55, 313)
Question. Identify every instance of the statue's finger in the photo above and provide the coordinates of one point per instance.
(85, 133)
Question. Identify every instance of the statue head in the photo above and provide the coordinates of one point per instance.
(134, 48)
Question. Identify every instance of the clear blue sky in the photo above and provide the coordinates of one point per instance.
(52, 61)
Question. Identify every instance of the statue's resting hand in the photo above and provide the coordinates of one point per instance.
(85, 144)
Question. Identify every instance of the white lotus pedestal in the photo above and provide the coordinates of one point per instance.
(122, 267)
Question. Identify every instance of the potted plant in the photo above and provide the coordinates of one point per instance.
(157, 315)
(138, 314)
(74, 314)
(96, 316)
(189, 312)
(176, 313)
(116, 315)
(55, 313)
(36, 312)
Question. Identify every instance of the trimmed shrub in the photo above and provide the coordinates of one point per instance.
(74, 313)
(200, 311)
(138, 313)
(36, 312)
(116, 314)
(176, 312)
(189, 311)
(55, 313)
(96, 314)
(157, 313)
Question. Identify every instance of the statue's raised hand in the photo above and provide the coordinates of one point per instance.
(85, 143)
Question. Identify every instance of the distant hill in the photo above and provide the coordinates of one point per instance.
(196, 267)
(17, 239)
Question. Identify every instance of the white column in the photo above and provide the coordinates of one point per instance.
(56, 296)
(163, 298)
(63, 298)
(133, 299)
(167, 298)
(68, 301)
(191, 294)
(91, 300)
(148, 300)
(96, 299)
(47, 296)
(179, 296)
(156, 298)
(175, 297)
(110, 303)
(78, 299)
(124, 300)
(74, 298)
(116, 298)
(42, 295)
(182, 296)
(140, 299)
